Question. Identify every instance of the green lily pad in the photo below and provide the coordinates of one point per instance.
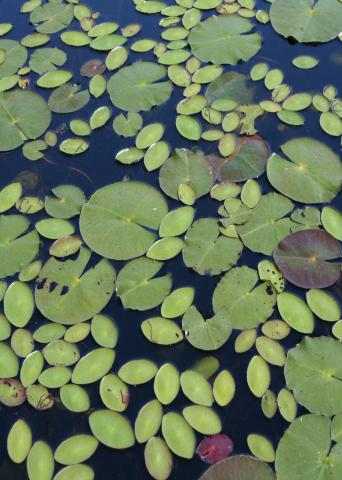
(239, 467)
(323, 459)
(206, 334)
(206, 251)
(303, 257)
(245, 303)
(68, 98)
(17, 248)
(313, 173)
(138, 87)
(266, 226)
(128, 126)
(34, 150)
(186, 167)
(15, 58)
(54, 228)
(68, 202)
(313, 373)
(74, 146)
(137, 288)
(307, 20)
(124, 210)
(222, 40)
(54, 78)
(75, 38)
(52, 16)
(31, 114)
(305, 62)
(67, 295)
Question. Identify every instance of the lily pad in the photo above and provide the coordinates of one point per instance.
(127, 126)
(137, 288)
(313, 173)
(206, 251)
(47, 59)
(138, 87)
(206, 334)
(309, 435)
(313, 372)
(266, 226)
(17, 248)
(16, 56)
(52, 16)
(245, 303)
(67, 295)
(307, 20)
(186, 167)
(124, 211)
(23, 116)
(222, 40)
(303, 258)
(68, 202)
(68, 98)
(239, 467)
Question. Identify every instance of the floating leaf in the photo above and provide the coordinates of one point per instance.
(64, 294)
(47, 59)
(322, 457)
(186, 167)
(313, 373)
(239, 467)
(313, 173)
(92, 67)
(206, 251)
(68, 98)
(52, 17)
(138, 87)
(206, 334)
(15, 58)
(214, 448)
(68, 202)
(138, 289)
(73, 146)
(303, 257)
(127, 126)
(111, 429)
(266, 226)
(221, 40)
(307, 20)
(17, 249)
(125, 210)
(305, 62)
(31, 114)
(245, 304)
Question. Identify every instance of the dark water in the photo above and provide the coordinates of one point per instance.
(96, 168)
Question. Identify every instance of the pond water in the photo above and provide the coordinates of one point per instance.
(97, 167)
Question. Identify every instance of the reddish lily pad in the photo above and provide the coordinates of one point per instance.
(214, 448)
(303, 257)
(92, 67)
(239, 467)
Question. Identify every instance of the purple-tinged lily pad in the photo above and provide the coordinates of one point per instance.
(92, 67)
(303, 257)
(214, 448)
(239, 467)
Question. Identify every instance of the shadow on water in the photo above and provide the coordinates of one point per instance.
(96, 168)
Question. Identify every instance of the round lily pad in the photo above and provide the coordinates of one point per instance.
(31, 114)
(125, 211)
(138, 87)
(239, 467)
(15, 57)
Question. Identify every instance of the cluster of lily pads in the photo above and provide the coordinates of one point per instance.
(130, 223)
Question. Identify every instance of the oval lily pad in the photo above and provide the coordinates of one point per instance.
(111, 429)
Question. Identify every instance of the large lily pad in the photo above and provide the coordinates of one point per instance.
(124, 213)
(17, 248)
(313, 173)
(303, 257)
(222, 40)
(230, 85)
(67, 295)
(23, 116)
(239, 467)
(138, 87)
(246, 303)
(248, 160)
(52, 16)
(309, 438)
(186, 167)
(307, 20)
(137, 288)
(206, 251)
(15, 58)
(68, 98)
(266, 225)
(206, 334)
(313, 371)
(47, 59)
